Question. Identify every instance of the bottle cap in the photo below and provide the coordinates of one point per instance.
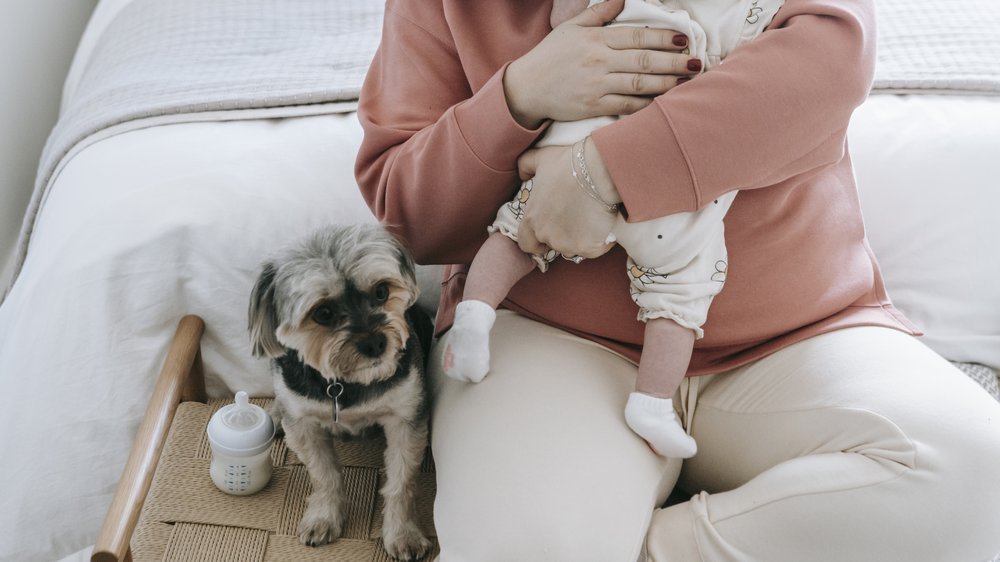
(241, 429)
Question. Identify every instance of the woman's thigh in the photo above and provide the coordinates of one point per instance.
(861, 444)
(536, 462)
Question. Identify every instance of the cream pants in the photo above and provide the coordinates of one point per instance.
(856, 445)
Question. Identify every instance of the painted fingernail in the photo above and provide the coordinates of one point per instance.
(680, 40)
(694, 65)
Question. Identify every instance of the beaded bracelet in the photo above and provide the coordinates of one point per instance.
(587, 184)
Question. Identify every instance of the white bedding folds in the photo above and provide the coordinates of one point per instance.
(145, 226)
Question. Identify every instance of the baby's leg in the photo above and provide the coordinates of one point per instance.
(666, 353)
(498, 265)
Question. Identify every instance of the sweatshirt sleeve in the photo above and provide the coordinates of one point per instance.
(437, 159)
(776, 108)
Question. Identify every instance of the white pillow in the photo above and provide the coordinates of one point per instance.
(928, 170)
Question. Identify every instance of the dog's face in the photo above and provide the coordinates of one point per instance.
(339, 300)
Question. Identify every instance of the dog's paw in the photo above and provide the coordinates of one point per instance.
(320, 526)
(406, 542)
(277, 414)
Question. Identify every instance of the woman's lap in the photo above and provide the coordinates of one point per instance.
(536, 462)
(859, 433)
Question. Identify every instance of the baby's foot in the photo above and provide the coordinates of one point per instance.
(467, 349)
(653, 419)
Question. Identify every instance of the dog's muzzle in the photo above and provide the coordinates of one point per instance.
(373, 345)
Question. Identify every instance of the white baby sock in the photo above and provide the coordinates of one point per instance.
(467, 351)
(654, 420)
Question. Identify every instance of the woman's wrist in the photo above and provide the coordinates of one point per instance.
(581, 173)
(599, 174)
(520, 107)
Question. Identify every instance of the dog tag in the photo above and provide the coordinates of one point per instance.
(334, 391)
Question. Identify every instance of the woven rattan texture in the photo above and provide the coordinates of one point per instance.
(187, 519)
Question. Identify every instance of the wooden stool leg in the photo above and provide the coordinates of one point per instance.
(181, 378)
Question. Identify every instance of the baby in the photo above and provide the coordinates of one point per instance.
(676, 264)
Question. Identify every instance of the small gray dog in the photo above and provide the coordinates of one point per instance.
(336, 316)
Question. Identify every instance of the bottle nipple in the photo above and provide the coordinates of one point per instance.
(244, 416)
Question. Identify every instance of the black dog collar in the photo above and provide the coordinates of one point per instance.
(307, 381)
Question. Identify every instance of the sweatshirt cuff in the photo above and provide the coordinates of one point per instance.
(648, 165)
(489, 129)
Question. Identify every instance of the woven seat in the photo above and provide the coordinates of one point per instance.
(186, 518)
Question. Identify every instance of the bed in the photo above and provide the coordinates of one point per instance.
(155, 211)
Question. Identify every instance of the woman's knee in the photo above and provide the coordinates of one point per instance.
(536, 462)
(573, 494)
(504, 531)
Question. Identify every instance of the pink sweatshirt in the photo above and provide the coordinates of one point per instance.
(440, 150)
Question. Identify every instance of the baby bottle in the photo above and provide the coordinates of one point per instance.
(240, 435)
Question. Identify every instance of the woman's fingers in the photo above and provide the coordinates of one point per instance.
(639, 75)
(631, 37)
(596, 251)
(619, 104)
(527, 163)
(644, 61)
(631, 84)
(527, 241)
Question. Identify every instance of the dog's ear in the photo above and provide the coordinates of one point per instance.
(264, 316)
(408, 269)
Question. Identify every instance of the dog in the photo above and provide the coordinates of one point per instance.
(337, 317)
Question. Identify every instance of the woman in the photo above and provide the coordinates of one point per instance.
(825, 430)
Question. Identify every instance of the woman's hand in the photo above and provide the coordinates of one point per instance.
(583, 69)
(559, 214)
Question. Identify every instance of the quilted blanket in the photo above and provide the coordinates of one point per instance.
(938, 47)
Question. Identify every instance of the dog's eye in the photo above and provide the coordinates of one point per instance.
(381, 292)
(323, 315)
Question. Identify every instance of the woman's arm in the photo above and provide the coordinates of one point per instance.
(778, 107)
(436, 161)
(439, 155)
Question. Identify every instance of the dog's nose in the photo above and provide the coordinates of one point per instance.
(373, 345)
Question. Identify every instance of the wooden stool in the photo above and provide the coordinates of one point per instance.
(167, 508)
